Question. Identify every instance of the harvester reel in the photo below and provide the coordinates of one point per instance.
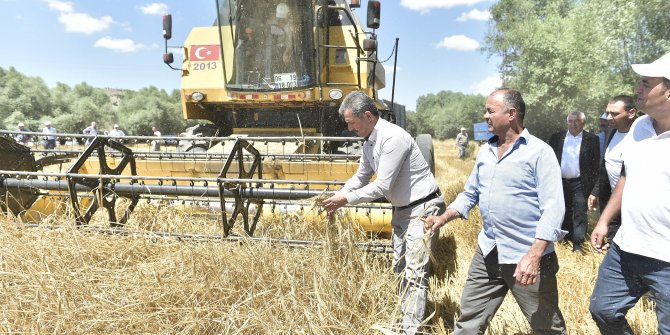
(102, 188)
(242, 205)
(16, 157)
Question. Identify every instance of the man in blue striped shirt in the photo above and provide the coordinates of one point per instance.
(517, 182)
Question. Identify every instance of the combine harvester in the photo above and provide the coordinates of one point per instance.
(269, 76)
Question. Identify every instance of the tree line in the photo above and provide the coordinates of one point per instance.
(562, 55)
(70, 109)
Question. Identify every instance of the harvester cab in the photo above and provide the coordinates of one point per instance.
(278, 68)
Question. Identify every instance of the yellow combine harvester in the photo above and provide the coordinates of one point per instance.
(269, 76)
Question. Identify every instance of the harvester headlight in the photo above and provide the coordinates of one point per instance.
(198, 96)
(335, 94)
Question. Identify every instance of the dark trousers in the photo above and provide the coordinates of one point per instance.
(575, 220)
(487, 285)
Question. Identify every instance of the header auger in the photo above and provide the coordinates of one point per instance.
(239, 181)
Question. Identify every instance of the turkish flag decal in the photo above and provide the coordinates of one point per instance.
(201, 53)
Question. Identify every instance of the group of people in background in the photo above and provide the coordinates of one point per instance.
(532, 194)
(22, 135)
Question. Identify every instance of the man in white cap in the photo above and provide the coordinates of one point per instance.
(638, 260)
(116, 131)
(279, 46)
(49, 141)
(462, 143)
(21, 138)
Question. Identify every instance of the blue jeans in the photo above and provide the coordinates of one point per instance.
(622, 279)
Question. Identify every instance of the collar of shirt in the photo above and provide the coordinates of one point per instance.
(372, 138)
(647, 125)
(577, 137)
(523, 138)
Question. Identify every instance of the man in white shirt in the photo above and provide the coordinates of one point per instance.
(404, 178)
(49, 141)
(638, 260)
(578, 153)
(155, 144)
(116, 131)
(621, 113)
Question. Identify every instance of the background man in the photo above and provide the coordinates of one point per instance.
(621, 113)
(638, 260)
(462, 143)
(116, 131)
(603, 126)
(517, 183)
(404, 178)
(578, 153)
(22, 138)
(155, 144)
(91, 130)
(279, 46)
(50, 140)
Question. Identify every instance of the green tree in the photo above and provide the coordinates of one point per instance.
(22, 98)
(444, 113)
(566, 55)
(151, 107)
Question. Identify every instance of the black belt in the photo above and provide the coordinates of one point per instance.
(571, 179)
(429, 197)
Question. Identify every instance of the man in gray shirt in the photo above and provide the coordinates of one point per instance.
(404, 178)
(462, 143)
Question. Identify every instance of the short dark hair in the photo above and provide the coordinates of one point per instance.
(513, 99)
(358, 102)
(666, 82)
(628, 102)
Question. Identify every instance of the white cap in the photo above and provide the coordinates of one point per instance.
(282, 11)
(603, 116)
(462, 129)
(21, 124)
(658, 68)
(48, 123)
(116, 126)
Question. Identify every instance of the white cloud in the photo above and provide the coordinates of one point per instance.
(124, 45)
(475, 14)
(76, 22)
(84, 23)
(459, 43)
(155, 8)
(61, 6)
(389, 69)
(486, 86)
(425, 6)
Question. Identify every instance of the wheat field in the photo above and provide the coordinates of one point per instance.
(57, 279)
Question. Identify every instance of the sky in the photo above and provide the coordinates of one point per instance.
(119, 43)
